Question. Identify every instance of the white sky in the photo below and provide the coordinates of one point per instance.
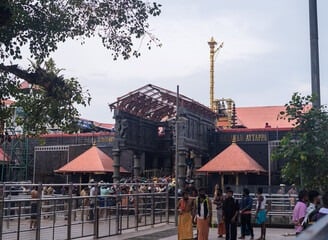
(265, 58)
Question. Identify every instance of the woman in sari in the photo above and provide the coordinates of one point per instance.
(185, 209)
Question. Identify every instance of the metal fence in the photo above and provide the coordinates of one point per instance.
(279, 208)
(68, 215)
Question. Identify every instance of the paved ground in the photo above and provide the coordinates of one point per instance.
(168, 232)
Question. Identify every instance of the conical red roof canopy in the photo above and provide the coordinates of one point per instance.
(91, 161)
(232, 160)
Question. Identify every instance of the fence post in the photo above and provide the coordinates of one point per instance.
(7, 208)
(153, 210)
(136, 200)
(97, 219)
(19, 219)
(2, 196)
(38, 216)
(69, 210)
(96, 214)
(118, 205)
(167, 204)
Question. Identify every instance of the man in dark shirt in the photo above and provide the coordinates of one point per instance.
(230, 211)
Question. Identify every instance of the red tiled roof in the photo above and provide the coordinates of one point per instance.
(94, 134)
(108, 126)
(3, 156)
(24, 85)
(257, 117)
(91, 161)
(8, 102)
(233, 159)
(245, 130)
(27, 85)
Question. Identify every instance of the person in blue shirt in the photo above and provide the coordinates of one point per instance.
(246, 204)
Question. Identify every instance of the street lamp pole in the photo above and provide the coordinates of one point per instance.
(176, 157)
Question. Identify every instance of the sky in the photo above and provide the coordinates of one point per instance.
(264, 60)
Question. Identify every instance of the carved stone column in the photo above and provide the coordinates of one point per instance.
(155, 164)
(198, 164)
(136, 165)
(181, 168)
(116, 165)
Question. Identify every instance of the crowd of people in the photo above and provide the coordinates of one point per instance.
(309, 209)
(103, 192)
(195, 206)
(87, 196)
(196, 210)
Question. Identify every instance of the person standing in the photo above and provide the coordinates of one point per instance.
(85, 202)
(323, 211)
(203, 209)
(299, 211)
(185, 209)
(34, 208)
(92, 201)
(260, 215)
(230, 209)
(281, 189)
(246, 214)
(218, 201)
(292, 189)
(312, 209)
(292, 192)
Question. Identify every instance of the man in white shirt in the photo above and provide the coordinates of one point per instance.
(203, 214)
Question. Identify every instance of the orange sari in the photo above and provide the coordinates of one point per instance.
(185, 220)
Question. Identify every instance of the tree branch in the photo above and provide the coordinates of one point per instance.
(39, 77)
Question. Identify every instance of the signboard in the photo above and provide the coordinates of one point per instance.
(244, 137)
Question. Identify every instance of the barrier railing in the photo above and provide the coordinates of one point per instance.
(68, 215)
(279, 208)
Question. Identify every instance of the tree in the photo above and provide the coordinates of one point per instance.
(41, 25)
(305, 148)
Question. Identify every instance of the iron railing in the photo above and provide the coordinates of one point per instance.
(71, 216)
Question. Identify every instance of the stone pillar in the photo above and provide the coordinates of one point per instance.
(136, 165)
(181, 169)
(155, 163)
(116, 165)
(168, 165)
(198, 164)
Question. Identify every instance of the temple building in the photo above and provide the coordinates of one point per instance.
(158, 132)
